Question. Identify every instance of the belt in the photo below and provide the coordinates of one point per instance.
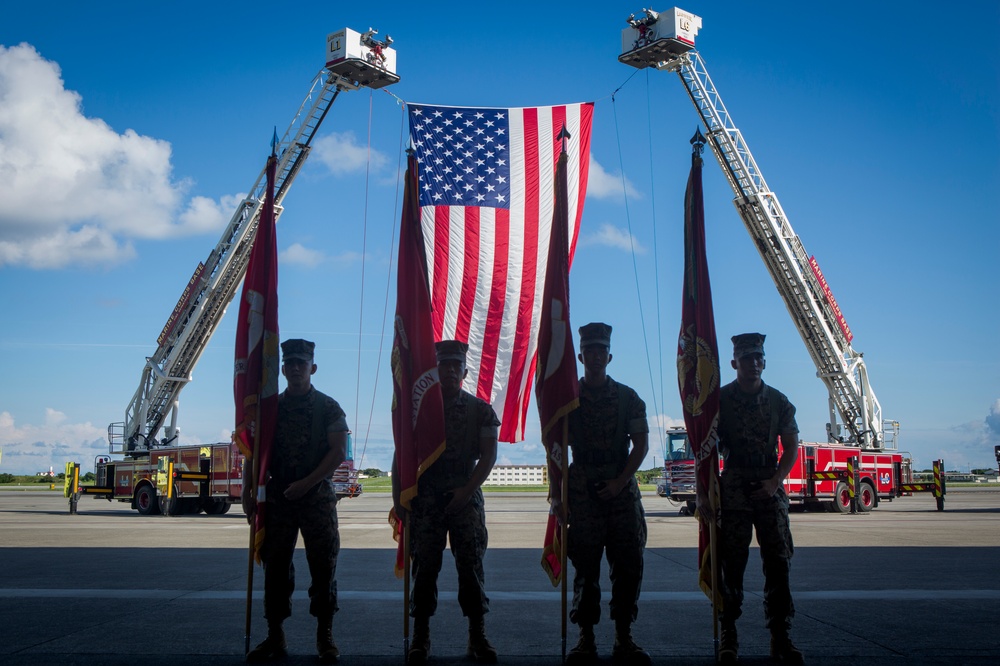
(441, 466)
(595, 457)
(735, 460)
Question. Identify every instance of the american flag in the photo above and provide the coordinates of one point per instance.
(486, 205)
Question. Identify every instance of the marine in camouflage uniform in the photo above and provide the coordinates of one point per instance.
(752, 416)
(310, 443)
(605, 507)
(449, 507)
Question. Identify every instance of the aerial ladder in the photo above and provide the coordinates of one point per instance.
(353, 60)
(665, 41)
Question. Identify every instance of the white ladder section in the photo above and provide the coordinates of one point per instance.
(841, 368)
(215, 282)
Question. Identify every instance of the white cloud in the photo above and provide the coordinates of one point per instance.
(964, 446)
(204, 215)
(30, 449)
(664, 422)
(350, 258)
(299, 255)
(993, 421)
(341, 153)
(302, 256)
(611, 236)
(87, 246)
(603, 185)
(73, 191)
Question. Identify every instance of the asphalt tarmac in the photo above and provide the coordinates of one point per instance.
(905, 584)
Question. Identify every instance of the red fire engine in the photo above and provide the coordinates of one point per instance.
(156, 473)
(821, 478)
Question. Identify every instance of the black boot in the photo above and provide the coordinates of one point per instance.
(272, 648)
(585, 651)
(625, 650)
(783, 650)
(325, 647)
(420, 646)
(480, 649)
(729, 644)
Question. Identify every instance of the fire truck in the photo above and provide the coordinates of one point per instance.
(821, 478)
(858, 435)
(150, 469)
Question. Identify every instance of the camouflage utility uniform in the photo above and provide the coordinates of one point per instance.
(467, 419)
(599, 439)
(300, 443)
(749, 425)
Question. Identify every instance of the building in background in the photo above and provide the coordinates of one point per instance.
(518, 475)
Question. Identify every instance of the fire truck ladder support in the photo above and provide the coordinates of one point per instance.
(936, 487)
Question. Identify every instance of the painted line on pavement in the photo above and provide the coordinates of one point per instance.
(520, 596)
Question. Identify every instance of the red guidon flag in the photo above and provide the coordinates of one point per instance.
(255, 382)
(698, 371)
(417, 402)
(556, 384)
(486, 198)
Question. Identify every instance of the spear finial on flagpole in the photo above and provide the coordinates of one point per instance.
(564, 135)
(698, 142)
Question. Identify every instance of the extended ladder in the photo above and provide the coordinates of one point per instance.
(213, 285)
(795, 274)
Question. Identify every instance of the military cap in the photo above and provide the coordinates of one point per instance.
(297, 348)
(595, 333)
(745, 344)
(451, 350)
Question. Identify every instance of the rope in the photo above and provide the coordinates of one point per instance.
(615, 91)
(388, 282)
(656, 261)
(364, 252)
(631, 239)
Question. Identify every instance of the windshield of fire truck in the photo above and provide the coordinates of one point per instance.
(678, 447)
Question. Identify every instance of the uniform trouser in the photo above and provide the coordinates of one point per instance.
(431, 529)
(316, 517)
(776, 549)
(617, 528)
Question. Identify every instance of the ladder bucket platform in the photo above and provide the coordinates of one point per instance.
(362, 58)
(658, 37)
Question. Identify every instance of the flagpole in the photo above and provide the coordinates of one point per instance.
(405, 536)
(714, 555)
(253, 526)
(563, 530)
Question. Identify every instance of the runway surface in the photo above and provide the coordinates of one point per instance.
(905, 584)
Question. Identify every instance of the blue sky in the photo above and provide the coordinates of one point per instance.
(129, 130)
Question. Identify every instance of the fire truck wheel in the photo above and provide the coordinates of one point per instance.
(216, 507)
(145, 500)
(842, 498)
(866, 497)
